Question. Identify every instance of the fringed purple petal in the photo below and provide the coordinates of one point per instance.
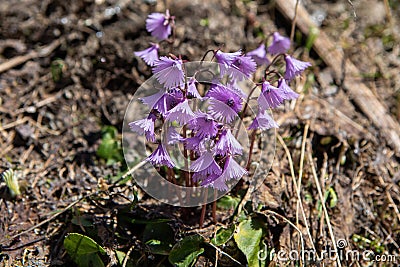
(270, 97)
(169, 72)
(159, 25)
(263, 121)
(294, 67)
(220, 111)
(144, 127)
(280, 44)
(181, 113)
(205, 165)
(242, 67)
(227, 144)
(160, 157)
(232, 170)
(288, 93)
(149, 55)
(192, 89)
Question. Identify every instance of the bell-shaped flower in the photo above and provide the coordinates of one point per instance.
(294, 67)
(280, 44)
(263, 121)
(169, 72)
(160, 25)
(149, 55)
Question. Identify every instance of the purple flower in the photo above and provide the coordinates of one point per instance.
(263, 121)
(288, 93)
(144, 126)
(181, 113)
(160, 157)
(232, 170)
(163, 101)
(227, 144)
(243, 66)
(149, 55)
(172, 136)
(294, 67)
(192, 90)
(280, 44)
(224, 104)
(205, 165)
(259, 55)
(215, 181)
(169, 72)
(159, 25)
(270, 97)
(194, 143)
(204, 125)
(226, 60)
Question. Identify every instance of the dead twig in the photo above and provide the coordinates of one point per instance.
(42, 52)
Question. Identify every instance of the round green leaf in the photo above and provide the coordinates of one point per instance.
(186, 252)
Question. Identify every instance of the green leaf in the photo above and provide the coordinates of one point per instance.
(12, 182)
(83, 250)
(228, 202)
(57, 67)
(334, 199)
(121, 256)
(223, 235)
(248, 237)
(159, 238)
(110, 147)
(186, 252)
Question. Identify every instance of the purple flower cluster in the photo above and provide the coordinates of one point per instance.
(208, 136)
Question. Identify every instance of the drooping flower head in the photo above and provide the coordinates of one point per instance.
(215, 181)
(227, 144)
(263, 121)
(226, 60)
(149, 55)
(280, 44)
(169, 72)
(204, 125)
(270, 97)
(224, 103)
(160, 25)
(172, 136)
(259, 55)
(163, 101)
(144, 126)
(205, 165)
(294, 67)
(160, 157)
(232, 170)
(243, 66)
(192, 89)
(195, 143)
(181, 113)
(288, 93)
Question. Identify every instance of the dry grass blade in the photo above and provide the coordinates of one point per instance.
(297, 190)
(322, 200)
